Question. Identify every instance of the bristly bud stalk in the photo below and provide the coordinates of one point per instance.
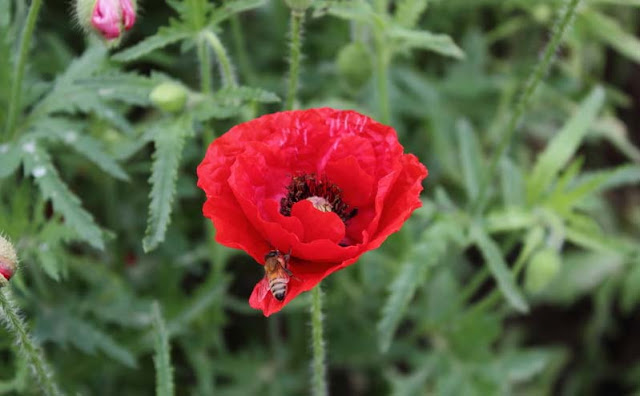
(8, 261)
(108, 19)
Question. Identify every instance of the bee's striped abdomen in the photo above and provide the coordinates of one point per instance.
(278, 288)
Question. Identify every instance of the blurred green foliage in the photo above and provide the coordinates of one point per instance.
(525, 281)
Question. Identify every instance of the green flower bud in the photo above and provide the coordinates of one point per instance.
(169, 97)
(8, 261)
(541, 270)
(355, 65)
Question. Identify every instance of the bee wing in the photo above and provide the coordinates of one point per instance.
(263, 289)
(283, 274)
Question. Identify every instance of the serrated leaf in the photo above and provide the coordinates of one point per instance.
(356, 10)
(498, 267)
(88, 338)
(229, 102)
(69, 133)
(609, 31)
(169, 142)
(162, 357)
(420, 39)
(470, 158)
(128, 88)
(229, 95)
(562, 147)
(10, 157)
(38, 164)
(164, 36)
(229, 8)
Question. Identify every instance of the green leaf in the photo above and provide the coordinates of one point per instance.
(38, 164)
(169, 141)
(523, 365)
(229, 102)
(562, 147)
(69, 133)
(415, 39)
(470, 158)
(230, 8)
(10, 157)
(128, 88)
(356, 10)
(509, 219)
(408, 12)
(404, 285)
(512, 183)
(609, 31)
(613, 178)
(164, 36)
(162, 357)
(494, 260)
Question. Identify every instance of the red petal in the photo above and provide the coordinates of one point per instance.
(318, 225)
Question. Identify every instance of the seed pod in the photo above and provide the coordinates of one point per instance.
(169, 97)
(541, 270)
(354, 64)
(8, 261)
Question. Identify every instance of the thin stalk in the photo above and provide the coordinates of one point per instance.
(562, 24)
(15, 325)
(205, 67)
(319, 379)
(226, 69)
(241, 51)
(16, 84)
(381, 76)
(297, 20)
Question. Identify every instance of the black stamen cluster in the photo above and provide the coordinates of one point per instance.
(309, 185)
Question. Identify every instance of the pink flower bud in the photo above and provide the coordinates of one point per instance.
(8, 261)
(108, 18)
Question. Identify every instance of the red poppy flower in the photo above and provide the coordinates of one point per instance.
(325, 185)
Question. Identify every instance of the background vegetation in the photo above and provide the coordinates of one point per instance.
(520, 275)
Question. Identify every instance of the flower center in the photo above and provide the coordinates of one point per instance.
(324, 195)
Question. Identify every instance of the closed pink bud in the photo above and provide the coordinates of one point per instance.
(8, 261)
(108, 18)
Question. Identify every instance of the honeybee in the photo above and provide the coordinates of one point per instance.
(276, 275)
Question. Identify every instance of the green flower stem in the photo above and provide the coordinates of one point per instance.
(319, 380)
(562, 24)
(16, 84)
(241, 50)
(226, 69)
(27, 348)
(205, 67)
(297, 20)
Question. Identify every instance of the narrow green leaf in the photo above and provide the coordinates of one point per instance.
(415, 39)
(509, 219)
(10, 156)
(498, 267)
(564, 145)
(38, 164)
(164, 36)
(229, 8)
(162, 357)
(88, 338)
(128, 88)
(470, 158)
(635, 3)
(356, 10)
(609, 31)
(512, 183)
(408, 12)
(411, 275)
(613, 178)
(169, 141)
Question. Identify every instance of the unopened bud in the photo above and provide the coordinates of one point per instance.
(355, 64)
(169, 97)
(107, 18)
(8, 261)
(541, 270)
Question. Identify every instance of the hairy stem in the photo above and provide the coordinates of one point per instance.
(226, 69)
(16, 84)
(240, 48)
(28, 349)
(297, 20)
(205, 67)
(319, 380)
(560, 27)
